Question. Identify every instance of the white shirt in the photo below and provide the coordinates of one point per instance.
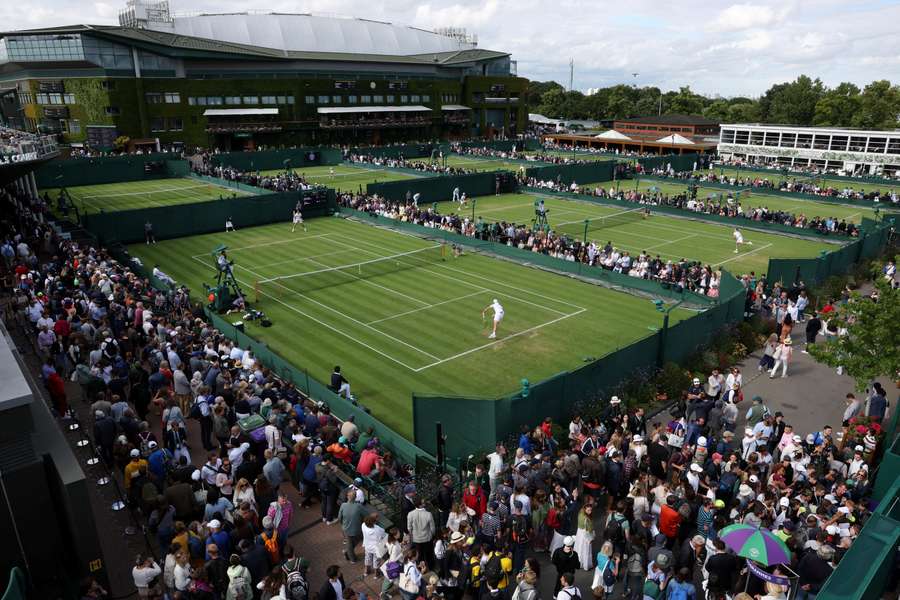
(498, 310)
(144, 575)
(569, 593)
(738, 236)
(496, 465)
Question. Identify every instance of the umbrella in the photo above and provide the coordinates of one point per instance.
(760, 545)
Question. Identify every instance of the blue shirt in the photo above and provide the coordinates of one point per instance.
(222, 542)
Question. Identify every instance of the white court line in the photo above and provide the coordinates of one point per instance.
(763, 247)
(474, 285)
(415, 310)
(687, 237)
(346, 316)
(323, 323)
(301, 258)
(290, 241)
(509, 337)
(373, 284)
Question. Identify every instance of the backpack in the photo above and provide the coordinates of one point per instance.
(651, 589)
(271, 544)
(520, 529)
(677, 592)
(609, 578)
(552, 519)
(613, 532)
(726, 482)
(296, 587)
(493, 570)
(635, 564)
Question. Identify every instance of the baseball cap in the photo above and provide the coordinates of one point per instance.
(135, 453)
(696, 468)
(215, 524)
(152, 444)
(569, 541)
(614, 400)
(696, 380)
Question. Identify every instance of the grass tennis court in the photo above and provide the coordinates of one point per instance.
(777, 177)
(670, 237)
(756, 198)
(129, 195)
(411, 322)
(347, 178)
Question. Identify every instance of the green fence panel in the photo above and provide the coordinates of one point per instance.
(678, 162)
(592, 172)
(436, 189)
(468, 424)
(803, 175)
(72, 172)
(269, 160)
(181, 220)
(178, 168)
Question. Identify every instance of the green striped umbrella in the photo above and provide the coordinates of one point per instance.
(760, 545)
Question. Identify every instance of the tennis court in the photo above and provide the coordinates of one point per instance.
(346, 177)
(671, 238)
(130, 195)
(399, 314)
(777, 177)
(752, 198)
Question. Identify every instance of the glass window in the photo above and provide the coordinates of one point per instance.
(290, 99)
(157, 124)
(282, 100)
(426, 98)
(323, 99)
(74, 126)
(192, 101)
(251, 99)
(55, 98)
(111, 110)
(268, 100)
(173, 98)
(214, 100)
(43, 98)
(352, 99)
(390, 98)
(365, 99)
(201, 100)
(310, 100)
(378, 99)
(232, 100)
(415, 98)
(154, 98)
(337, 99)
(176, 124)
(404, 99)
(68, 98)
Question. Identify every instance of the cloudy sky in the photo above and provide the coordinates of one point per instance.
(716, 47)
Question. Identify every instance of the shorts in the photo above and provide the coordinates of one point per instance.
(498, 318)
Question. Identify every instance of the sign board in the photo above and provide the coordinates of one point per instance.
(101, 137)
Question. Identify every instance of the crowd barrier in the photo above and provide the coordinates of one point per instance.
(127, 226)
(436, 189)
(73, 172)
(270, 160)
(592, 172)
(813, 271)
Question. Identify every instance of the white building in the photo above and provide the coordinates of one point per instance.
(847, 151)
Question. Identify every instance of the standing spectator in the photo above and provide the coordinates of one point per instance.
(240, 585)
(351, 517)
(146, 578)
(374, 540)
(813, 327)
(814, 568)
(421, 531)
(565, 587)
(566, 562)
(782, 356)
(496, 466)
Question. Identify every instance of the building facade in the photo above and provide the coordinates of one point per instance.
(846, 151)
(150, 81)
(657, 134)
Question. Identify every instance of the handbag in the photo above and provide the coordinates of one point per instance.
(407, 583)
(609, 578)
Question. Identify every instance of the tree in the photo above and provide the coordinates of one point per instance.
(837, 107)
(536, 90)
(684, 102)
(744, 112)
(717, 111)
(871, 348)
(792, 103)
(879, 106)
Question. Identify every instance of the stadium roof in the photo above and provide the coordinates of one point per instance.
(612, 134)
(238, 112)
(672, 119)
(337, 110)
(176, 45)
(675, 139)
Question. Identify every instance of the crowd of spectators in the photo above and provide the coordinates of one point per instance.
(540, 157)
(16, 145)
(381, 120)
(284, 181)
(425, 166)
(783, 184)
(725, 205)
(548, 145)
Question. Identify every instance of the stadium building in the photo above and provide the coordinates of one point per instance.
(848, 151)
(656, 134)
(243, 80)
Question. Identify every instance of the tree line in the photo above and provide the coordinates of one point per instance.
(804, 102)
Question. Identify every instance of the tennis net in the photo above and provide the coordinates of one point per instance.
(576, 229)
(342, 274)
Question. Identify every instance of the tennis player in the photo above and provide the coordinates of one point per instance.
(498, 315)
(463, 201)
(229, 225)
(297, 220)
(331, 172)
(739, 240)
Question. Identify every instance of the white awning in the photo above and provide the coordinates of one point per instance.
(675, 139)
(340, 110)
(612, 134)
(238, 112)
(455, 107)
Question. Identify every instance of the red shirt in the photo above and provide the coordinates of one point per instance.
(669, 521)
(366, 462)
(476, 501)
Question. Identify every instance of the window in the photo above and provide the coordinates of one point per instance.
(192, 101)
(323, 99)
(426, 98)
(336, 99)
(43, 98)
(157, 124)
(201, 100)
(877, 144)
(232, 100)
(365, 99)
(176, 124)
(839, 143)
(404, 99)
(415, 98)
(788, 140)
(378, 99)
(173, 98)
(268, 100)
(251, 99)
(154, 98)
(893, 146)
(756, 138)
(352, 99)
(857, 144)
(68, 98)
(74, 126)
(290, 100)
(285, 99)
(390, 98)
(112, 111)
(310, 100)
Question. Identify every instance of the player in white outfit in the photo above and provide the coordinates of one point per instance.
(498, 315)
(297, 220)
(739, 240)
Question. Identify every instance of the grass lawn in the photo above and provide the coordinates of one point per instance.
(411, 322)
(850, 212)
(347, 178)
(671, 238)
(777, 177)
(129, 195)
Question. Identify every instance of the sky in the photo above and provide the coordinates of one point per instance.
(715, 47)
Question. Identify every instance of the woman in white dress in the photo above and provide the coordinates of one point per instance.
(584, 536)
(374, 543)
(457, 517)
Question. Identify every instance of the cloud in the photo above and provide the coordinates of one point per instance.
(745, 16)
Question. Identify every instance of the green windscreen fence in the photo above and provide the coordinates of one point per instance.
(592, 172)
(677, 162)
(785, 173)
(72, 172)
(270, 160)
(181, 220)
(436, 189)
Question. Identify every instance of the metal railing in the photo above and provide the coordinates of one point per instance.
(21, 146)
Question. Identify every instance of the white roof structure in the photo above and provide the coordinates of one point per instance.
(612, 134)
(339, 110)
(237, 112)
(311, 33)
(675, 139)
(538, 118)
(454, 107)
